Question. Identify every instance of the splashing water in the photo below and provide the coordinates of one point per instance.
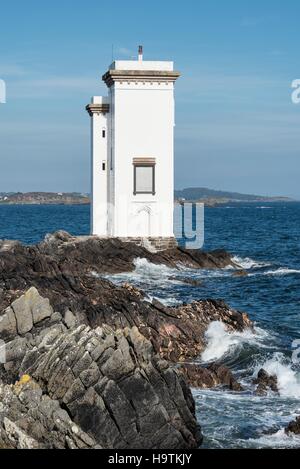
(220, 342)
(277, 440)
(288, 379)
(266, 246)
(247, 263)
(148, 271)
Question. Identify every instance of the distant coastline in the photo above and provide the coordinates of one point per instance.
(44, 198)
(209, 197)
(212, 198)
(216, 202)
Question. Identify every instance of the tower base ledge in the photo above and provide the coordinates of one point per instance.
(152, 244)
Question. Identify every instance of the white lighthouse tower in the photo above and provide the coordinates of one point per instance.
(132, 140)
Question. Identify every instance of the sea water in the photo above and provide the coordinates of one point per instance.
(265, 241)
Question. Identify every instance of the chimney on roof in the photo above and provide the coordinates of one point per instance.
(140, 53)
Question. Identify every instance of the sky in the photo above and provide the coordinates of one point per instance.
(236, 129)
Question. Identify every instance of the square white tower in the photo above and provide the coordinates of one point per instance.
(133, 152)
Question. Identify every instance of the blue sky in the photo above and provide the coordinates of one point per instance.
(236, 126)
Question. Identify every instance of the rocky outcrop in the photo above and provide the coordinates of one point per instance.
(210, 377)
(265, 382)
(24, 313)
(96, 352)
(30, 419)
(81, 387)
(87, 253)
(294, 427)
(240, 273)
(181, 330)
(61, 269)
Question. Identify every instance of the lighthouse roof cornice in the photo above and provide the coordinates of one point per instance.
(96, 108)
(111, 76)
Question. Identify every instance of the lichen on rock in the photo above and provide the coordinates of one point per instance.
(93, 365)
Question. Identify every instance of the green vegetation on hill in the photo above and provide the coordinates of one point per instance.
(202, 193)
(42, 198)
(208, 196)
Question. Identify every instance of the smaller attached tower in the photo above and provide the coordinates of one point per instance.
(98, 110)
(132, 140)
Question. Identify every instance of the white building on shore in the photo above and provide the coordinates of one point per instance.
(132, 146)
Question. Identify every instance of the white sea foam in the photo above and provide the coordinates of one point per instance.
(220, 342)
(247, 263)
(144, 268)
(170, 301)
(288, 379)
(282, 271)
(149, 272)
(146, 272)
(276, 440)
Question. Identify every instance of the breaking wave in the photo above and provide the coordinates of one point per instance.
(148, 270)
(287, 378)
(220, 342)
(257, 267)
(276, 440)
(282, 271)
(146, 273)
(247, 263)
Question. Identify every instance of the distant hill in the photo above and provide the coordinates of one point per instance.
(43, 198)
(208, 196)
(213, 196)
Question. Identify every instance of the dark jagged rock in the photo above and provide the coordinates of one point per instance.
(96, 350)
(209, 377)
(240, 273)
(294, 427)
(81, 387)
(181, 329)
(189, 281)
(265, 382)
(112, 255)
(61, 269)
(30, 419)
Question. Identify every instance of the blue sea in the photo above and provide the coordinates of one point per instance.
(265, 240)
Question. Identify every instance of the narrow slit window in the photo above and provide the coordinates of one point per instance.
(103, 133)
(144, 178)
